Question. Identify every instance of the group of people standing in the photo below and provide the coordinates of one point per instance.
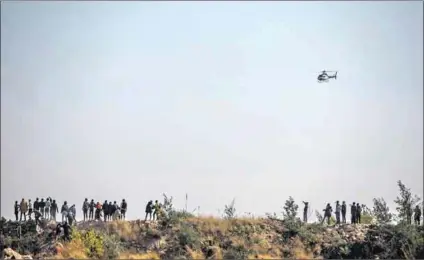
(94, 211)
(46, 209)
(156, 209)
(107, 210)
(40, 208)
(355, 213)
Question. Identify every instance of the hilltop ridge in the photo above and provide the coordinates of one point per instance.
(178, 234)
(188, 237)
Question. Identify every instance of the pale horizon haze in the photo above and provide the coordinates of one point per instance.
(219, 100)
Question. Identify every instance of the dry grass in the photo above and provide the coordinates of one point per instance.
(73, 249)
(298, 250)
(147, 255)
(261, 241)
(276, 252)
(217, 253)
(124, 229)
(264, 256)
(250, 221)
(238, 241)
(195, 254)
(250, 233)
(210, 225)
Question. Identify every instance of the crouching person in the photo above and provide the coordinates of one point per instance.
(37, 216)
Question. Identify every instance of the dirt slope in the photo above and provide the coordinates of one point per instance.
(212, 238)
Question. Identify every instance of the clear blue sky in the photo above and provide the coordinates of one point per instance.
(112, 100)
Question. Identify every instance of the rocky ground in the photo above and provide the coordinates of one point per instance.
(211, 238)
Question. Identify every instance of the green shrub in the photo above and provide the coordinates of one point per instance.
(367, 219)
(152, 233)
(170, 216)
(93, 242)
(308, 233)
(112, 247)
(290, 209)
(381, 211)
(188, 237)
(394, 242)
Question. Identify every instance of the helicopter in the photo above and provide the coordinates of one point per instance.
(324, 77)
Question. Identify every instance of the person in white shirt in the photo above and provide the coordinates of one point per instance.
(71, 215)
(29, 208)
(337, 212)
(47, 208)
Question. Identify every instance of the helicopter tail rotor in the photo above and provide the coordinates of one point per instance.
(335, 75)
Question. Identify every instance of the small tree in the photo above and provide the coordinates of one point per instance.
(290, 209)
(169, 215)
(367, 216)
(319, 216)
(406, 201)
(230, 210)
(366, 210)
(381, 211)
(168, 207)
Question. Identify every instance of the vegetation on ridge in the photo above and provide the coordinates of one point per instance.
(179, 234)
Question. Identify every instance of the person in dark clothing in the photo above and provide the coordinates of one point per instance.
(358, 213)
(114, 207)
(327, 213)
(42, 205)
(2, 245)
(36, 204)
(149, 209)
(417, 215)
(109, 211)
(58, 230)
(64, 211)
(353, 213)
(305, 211)
(85, 207)
(66, 231)
(105, 210)
(338, 208)
(98, 211)
(123, 209)
(37, 216)
(53, 210)
(344, 212)
(91, 212)
(409, 214)
(16, 210)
